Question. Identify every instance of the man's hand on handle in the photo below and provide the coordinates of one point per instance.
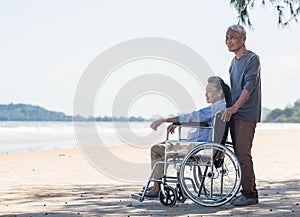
(228, 113)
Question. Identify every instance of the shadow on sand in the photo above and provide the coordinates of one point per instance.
(277, 198)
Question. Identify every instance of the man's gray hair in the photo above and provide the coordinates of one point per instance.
(238, 29)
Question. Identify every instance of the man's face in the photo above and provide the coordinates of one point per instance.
(211, 93)
(234, 40)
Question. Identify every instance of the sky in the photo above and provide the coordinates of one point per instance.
(46, 46)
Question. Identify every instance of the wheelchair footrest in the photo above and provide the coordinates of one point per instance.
(136, 197)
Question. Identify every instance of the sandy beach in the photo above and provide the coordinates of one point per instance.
(62, 182)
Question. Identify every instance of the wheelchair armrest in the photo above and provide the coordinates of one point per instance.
(189, 125)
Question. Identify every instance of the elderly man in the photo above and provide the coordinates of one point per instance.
(246, 108)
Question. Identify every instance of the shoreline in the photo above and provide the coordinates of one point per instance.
(35, 138)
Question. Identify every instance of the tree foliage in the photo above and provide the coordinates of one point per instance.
(287, 10)
(287, 115)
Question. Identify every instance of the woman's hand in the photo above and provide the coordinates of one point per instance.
(157, 123)
(172, 129)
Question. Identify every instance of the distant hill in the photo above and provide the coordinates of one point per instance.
(24, 112)
(265, 112)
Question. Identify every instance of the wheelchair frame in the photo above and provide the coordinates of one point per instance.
(209, 173)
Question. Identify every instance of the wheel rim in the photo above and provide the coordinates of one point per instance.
(219, 183)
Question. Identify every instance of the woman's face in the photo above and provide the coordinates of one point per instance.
(211, 93)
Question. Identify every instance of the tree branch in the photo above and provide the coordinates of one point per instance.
(284, 8)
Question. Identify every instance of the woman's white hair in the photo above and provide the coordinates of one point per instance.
(238, 29)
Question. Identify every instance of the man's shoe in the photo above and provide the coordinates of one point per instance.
(235, 198)
(243, 201)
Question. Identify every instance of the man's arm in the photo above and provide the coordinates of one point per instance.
(233, 109)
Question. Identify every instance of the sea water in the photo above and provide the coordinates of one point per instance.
(31, 136)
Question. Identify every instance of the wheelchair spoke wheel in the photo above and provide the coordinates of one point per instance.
(210, 174)
(168, 196)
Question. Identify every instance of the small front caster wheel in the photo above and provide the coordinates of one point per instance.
(168, 196)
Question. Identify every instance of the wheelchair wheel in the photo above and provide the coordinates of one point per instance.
(168, 196)
(210, 174)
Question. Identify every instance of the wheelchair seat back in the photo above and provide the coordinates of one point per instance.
(219, 135)
(220, 129)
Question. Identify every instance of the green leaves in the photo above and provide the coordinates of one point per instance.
(287, 10)
(287, 115)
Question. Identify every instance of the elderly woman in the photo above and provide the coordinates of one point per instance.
(215, 95)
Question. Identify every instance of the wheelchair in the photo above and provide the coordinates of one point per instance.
(208, 173)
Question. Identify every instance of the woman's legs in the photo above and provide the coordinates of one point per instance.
(157, 154)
